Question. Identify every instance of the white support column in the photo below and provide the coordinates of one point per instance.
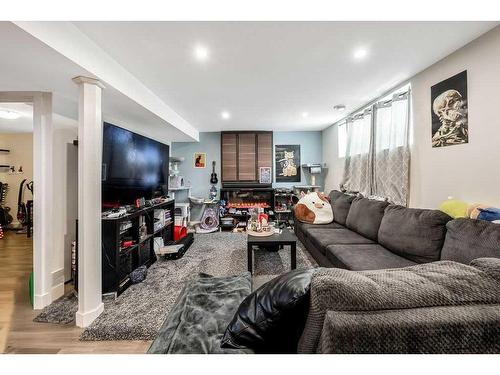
(42, 199)
(90, 304)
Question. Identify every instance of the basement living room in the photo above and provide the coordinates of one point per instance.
(249, 187)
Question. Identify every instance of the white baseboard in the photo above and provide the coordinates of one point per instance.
(57, 291)
(41, 300)
(57, 284)
(86, 318)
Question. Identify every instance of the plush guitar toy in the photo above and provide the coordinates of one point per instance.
(314, 208)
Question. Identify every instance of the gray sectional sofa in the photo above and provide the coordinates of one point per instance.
(368, 234)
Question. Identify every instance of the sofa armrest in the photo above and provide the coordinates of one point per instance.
(443, 329)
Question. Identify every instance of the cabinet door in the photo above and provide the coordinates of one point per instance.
(246, 157)
(264, 151)
(229, 157)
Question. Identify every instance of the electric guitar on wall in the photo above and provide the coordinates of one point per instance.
(213, 176)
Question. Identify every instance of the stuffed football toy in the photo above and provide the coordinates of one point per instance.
(314, 208)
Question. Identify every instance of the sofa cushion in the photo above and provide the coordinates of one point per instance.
(468, 239)
(442, 283)
(341, 203)
(415, 234)
(334, 194)
(271, 319)
(364, 257)
(429, 330)
(321, 238)
(332, 225)
(365, 216)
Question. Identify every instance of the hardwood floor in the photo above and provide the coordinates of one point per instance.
(18, 332)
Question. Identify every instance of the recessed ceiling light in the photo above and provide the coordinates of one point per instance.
(305, 114)
(9, 115)
(360, 53)
(201, 53)
(225, 115)
(339, 107)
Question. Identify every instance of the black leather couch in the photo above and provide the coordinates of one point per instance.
(368, 234)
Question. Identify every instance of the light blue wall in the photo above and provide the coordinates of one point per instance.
(310, 152)
(199, 178)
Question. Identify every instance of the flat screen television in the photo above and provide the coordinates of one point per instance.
(133, 166)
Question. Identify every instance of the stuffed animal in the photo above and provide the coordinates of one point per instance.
(474, 210)
(454, 208)
(314, 208)
(484, 212)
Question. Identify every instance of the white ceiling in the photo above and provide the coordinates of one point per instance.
(266, 74)
(23, 124)
(26, 64)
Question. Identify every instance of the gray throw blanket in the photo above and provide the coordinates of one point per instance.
(198, 320)
(346, 305)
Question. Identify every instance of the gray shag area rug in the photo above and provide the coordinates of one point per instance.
(61, 311)
(138, 313)
(140, 310)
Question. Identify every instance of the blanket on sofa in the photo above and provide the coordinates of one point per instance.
(198, 320)
(445, 283)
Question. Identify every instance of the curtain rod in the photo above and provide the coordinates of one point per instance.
(372, 102)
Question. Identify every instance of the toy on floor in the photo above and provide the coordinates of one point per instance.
(314, 208)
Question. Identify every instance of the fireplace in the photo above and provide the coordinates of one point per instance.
(239, 200)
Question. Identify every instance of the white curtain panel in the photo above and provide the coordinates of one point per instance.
(377, 161)
(391, 159)
(358, 160)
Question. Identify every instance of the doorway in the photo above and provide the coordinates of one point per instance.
(19, 250)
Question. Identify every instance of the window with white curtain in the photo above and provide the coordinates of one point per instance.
(377, 154)
(391, 123)
(359, 134)
(342, 139)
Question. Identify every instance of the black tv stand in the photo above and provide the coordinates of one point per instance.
(119, 258)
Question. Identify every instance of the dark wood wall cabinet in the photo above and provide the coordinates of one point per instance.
(242, 156)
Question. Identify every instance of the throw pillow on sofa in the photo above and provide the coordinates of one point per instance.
(468, 239)
(365, 216)
(271, 319)
(413, 233)
(314, 208)
(341, 203)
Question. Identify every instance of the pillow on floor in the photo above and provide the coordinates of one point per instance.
(314, 208)
(271, 319)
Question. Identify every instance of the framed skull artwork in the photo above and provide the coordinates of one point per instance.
(449, 111)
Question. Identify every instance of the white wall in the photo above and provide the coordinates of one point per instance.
(21, 154)
(334, 164)
(469, 172)
(65, 173)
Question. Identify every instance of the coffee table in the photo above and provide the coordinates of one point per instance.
(286, 237)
